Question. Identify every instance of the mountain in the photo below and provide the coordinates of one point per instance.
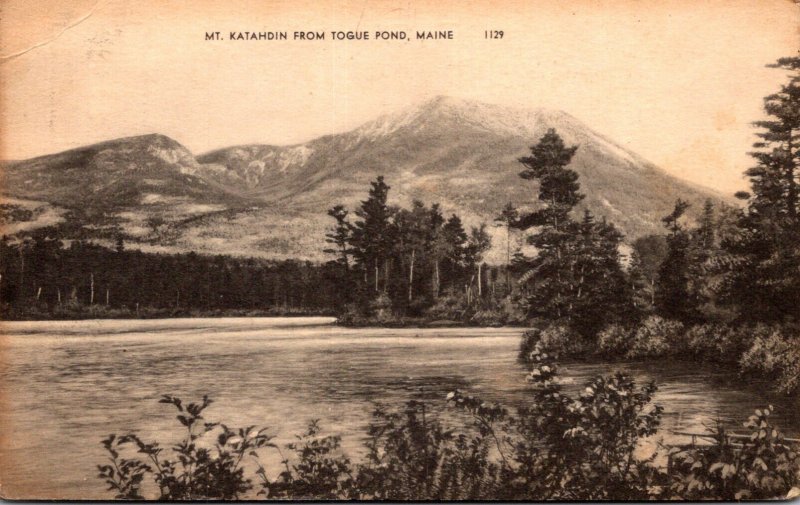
(117, 173)
(125, 182)
(271, 200)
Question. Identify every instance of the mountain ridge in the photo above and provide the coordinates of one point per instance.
(270, 200)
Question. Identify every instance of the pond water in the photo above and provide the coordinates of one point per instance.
(66, 385)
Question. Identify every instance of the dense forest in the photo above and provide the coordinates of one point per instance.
(398, 262)
(41, 277)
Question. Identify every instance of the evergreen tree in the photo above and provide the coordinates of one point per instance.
(340, 236)
(412, 234)
(672, 288)
(371, 239)
(439, 247)
(774, 179)
(576, 275)
(600, 293)
(550, 272)
(703, 247)
(455, 241)
(762, 276)
(646, 258)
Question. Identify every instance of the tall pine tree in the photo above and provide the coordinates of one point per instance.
(371, 238)
(576, 275)
(763, 266)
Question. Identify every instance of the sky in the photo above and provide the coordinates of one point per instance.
(677, 81)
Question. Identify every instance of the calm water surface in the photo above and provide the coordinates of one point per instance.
(65, 385)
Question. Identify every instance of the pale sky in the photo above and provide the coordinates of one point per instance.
(676, 81)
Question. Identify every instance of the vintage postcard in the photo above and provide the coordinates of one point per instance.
(400, 250)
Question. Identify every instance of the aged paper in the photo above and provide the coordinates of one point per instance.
(456, 210)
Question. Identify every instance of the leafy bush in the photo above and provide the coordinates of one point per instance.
(320, 470)
(352, 315)
(381, 308)
(583, 448)
(555, 339)
(412, 456)
(530, 338)
(488, 317)
(657, 337)
(721, 343)
(451, 306)
(188, 471)
(514, 310)
(759, 466)
(557, 447)
(615, 340)
(775, 355)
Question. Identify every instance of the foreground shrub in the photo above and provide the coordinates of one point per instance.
(187, 471)
(412, 456)
(582, 448)
(775, 355)
(318, 471)
(657, 336)
(557, 447)
(756, 467)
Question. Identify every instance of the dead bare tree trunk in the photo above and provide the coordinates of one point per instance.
(91, 284)
(106, 297)
(508, 258)
(386, 270)
(436, 279)
(480, 290)
(411, 276)
(652, 291)
(38, 293)
(376, 275)
(21, 270)
(58, 292)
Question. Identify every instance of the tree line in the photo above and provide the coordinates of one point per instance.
(404, 259)
(40, 274)
(740, 264)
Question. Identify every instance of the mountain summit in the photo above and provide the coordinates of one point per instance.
(271, 200)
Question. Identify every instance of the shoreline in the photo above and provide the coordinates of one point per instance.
(146, 314)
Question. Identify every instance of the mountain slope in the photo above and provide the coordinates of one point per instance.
(272, 200)
(117, 173)
(461, 154)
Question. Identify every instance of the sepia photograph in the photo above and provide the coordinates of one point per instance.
(400, 250)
